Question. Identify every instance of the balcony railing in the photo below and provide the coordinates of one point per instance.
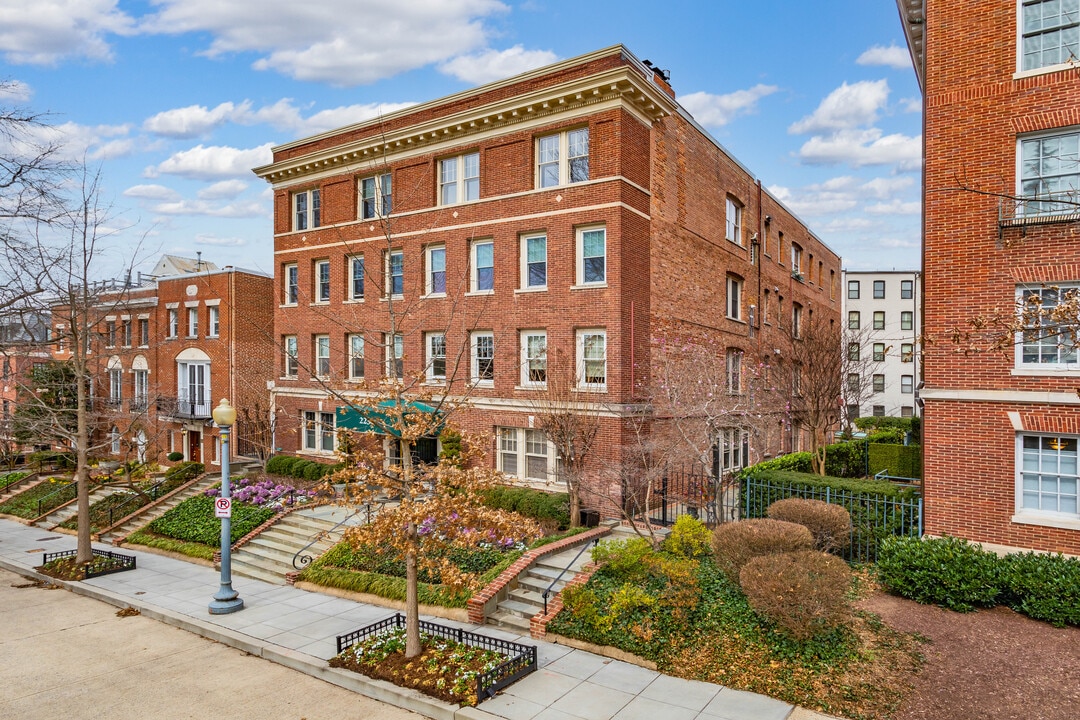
(184, 407)
(1039, 210)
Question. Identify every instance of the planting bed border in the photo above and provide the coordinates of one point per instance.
(127, 562)
(521, 662)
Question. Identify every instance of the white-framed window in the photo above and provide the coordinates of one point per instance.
(907, 384)
(322, 355)
(591, 256)
(1050, 173)
(395, 355)
(435, 262)
(144, 332)
(592, 359)
(796, 320)
(321, 275)
(459, 179)
(116, 385)
(879, 383)
(853, 289)
(879, 352)
(126, 332)
(110, 333)
(1046, 478)
(193, 322)
(879, 289)
(525, 454)
(214, 321)
(879, 319)
(482, 353)
(395, 273)
(1050, 32)
(436, 356)
(796, 259)
(733, 361)
(376, 196)
(292, 358)
(193, 381)
(306, 211)
(907, 289)
(907, 320)
(318, 431)
(142, 390)
(563, 158)
(356, 277)
(533, 357)
(482, 277)
(114, 440)
(733, 222)
(734, 297)
(174, 322)
(356, 357)
(907, 352)
(534, 261)
(733, 447)
(291, 274)
(1044, 343)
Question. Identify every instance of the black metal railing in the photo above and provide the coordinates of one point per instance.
(183, 407)
(152, 493)
(121, 562)
(57, 497)
(303, 557)
(691, 489)
(521, 659)
(547, 590)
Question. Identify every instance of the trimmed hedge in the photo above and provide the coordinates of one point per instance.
(804, 593)
(829, 523)
(536, 504)
(185, 471)
(737, 543)
(300, 468)
(898, 460)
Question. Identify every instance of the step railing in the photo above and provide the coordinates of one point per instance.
(304, 559)
(153, 493)
(547, 592)
(42, 507)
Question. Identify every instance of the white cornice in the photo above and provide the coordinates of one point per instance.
(1026, 397)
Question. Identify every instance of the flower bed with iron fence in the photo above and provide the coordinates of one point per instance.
(62, 564)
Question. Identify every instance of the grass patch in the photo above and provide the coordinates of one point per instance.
(11, 478)
(193, 521)
(162, 542)
(125, 502)
(55, 492)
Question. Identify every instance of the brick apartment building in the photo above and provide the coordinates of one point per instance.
(23, 344)
(1002, 172)
(572, 211)
(166, 348)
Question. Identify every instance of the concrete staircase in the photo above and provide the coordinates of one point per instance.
(153, 511)
(65, 512)
(269, 555)
(526, 600)
(20, 486)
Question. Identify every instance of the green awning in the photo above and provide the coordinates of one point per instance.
(376, 420)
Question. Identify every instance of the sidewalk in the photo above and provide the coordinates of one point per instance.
(298, 629)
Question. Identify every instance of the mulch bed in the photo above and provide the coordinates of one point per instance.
(68, 569)
(987, 665)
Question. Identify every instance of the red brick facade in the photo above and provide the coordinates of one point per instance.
(985, 106)
(656, 186)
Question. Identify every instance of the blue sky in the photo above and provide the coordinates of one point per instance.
(176, 100)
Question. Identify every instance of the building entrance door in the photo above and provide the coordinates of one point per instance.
(194, 446)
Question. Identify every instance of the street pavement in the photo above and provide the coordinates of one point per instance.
(297, 629)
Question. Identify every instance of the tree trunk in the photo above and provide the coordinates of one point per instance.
(84, 552)
(575, 504)
(412, 601)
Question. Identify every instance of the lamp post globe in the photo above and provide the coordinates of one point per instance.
(226, 600)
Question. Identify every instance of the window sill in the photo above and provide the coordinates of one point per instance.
(289, 377)
(433, 296)
(1049, 371)
(289, 305)
(1021, 74)
(531, 386)
(733, 241)
(352, 301)
(590, 286)
(471, 293)
(1064, 523)
(738, 320)
(318, 303)
(482, 383)
(435, 382)
(213, 337)
(392, 297)
(592, 389)
(542, 288)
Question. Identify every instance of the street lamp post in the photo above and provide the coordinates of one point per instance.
(226, 600)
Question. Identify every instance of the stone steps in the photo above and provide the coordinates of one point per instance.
(526, 599)
(71, 509)
(152, 512)
(20, 486)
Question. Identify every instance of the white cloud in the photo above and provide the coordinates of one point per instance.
(219, 241)
(846, 107)
(892, 56)
(190, 121)
(885, 187)
(896, 206)
(151, 192)
(213, 163)
(204, 207)
(846, 193)
(84, 142)
(864, 147)
(346, 115)
(223, 190)
(718, 110)
(334, 41)
(45, 32)
(15, 91)
(490, 65)
(911, 105)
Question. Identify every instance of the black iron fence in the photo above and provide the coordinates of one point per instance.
(690, 489)
(521, 659)
(117, 562)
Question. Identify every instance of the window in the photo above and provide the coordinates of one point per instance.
(853, 289)
(356, 357)
(215, 321)
(395, 356)
(126, 324)
(853, 320)
(114, 440)
(459, 179)
(734, 297)
(906, 411)
(436, 357)
(879, 319)
(322, 281)
(879, 411)
(144, 332)
(1047, 475)
(292, 284)
(142, 390)
(534, 261)
(906, 320)
(563, 159)
(395, 272)
(376, 197)
(907, 352)
(355, 280)
(483, 357)
(318, 431)
(733, 222)
(796, 320)
(110, 333)
(193, 387)
(1049, 171)
(734, 370)
(907, 289)
(322, 355)
(292, 360)
(879, 383)
(1044, 342)
(796, 259)
(852, 412)
(116, 385)
(174, 322)
(193, 322)
(879, 289)
(1050, 32)
(306, 210)
(524, 453)
(853, 351)
(907, 384)
(483, 266)
(853, 382)
(879, 352)
(592, 359)
(733, 445)
(533, 357)
(435, 260)
(591, 256)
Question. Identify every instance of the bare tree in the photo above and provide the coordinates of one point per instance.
(816, 383)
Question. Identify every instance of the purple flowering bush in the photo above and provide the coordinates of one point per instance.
(265, 493)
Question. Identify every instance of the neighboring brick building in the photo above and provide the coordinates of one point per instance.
(165, 349)
(23, 344)
(1002, 174)
(575, 210)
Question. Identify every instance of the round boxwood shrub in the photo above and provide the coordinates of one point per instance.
(175, 456)
(735, 544)
(829, 523)
(689, 537)
(945, 571)
(804, 593)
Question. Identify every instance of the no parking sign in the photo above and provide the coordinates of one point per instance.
(223, 507)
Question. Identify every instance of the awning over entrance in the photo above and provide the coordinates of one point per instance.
(380, 419)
